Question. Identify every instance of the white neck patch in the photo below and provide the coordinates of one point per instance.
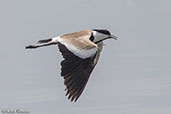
(98, 36)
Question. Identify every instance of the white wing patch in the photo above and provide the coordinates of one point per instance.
(82, 53)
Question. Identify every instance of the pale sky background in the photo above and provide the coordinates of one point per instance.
(133, 75)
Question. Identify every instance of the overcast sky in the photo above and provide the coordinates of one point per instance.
(133, 75)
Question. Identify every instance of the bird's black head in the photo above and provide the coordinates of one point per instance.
(103, 31)
(101, 34)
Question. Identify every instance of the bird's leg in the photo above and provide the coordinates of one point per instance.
(37, 46)
(42, 43)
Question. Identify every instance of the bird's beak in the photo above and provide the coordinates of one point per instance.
(113, 37)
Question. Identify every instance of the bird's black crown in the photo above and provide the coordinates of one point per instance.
(103, 31)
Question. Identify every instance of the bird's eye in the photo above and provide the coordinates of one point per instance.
(91, 38)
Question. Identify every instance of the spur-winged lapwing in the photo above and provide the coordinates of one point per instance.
(81, 51)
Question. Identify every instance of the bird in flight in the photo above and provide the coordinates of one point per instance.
(81, 51)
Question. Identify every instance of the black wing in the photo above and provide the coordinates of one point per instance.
(76, 72)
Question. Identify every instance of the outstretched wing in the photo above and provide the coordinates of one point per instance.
(75, 71)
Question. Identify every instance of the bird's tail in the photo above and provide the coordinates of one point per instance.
(44, 41)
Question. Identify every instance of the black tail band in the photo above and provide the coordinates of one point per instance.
(45, 41)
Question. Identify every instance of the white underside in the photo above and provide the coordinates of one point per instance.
(82, 53)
